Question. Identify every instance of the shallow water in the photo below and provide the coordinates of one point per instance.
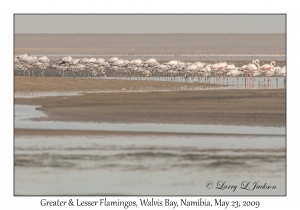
(224, 82)
(40, 94)
(146, 164)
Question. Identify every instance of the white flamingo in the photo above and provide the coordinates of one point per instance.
(268, 69)
(235, 72)
(200, 65)
(43, 59)
(253, 66)
(113, 59)
(136, 62)
(219, 69)
(191, 70)
(282, 72)
(29, 62)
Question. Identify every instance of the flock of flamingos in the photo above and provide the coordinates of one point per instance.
(120, 68)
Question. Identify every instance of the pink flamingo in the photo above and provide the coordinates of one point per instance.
(222, 67)
(229, 68)
(214, 68)
(268, 67)
(250, 68)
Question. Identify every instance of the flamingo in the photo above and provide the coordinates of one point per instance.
(17, 65)
(136, 62)
(230, 67)
(22, 57)
(161, 69)
(243, 68)
(172, 64)
(67, 59)
(147, 73)
(92, 60)
(282, 71)
(270, 73)
(100, 61)
(222, 66)
(219, 68)
(148, 68)
(120, 64)
(102, 64)
(75, 61)
(214, 68)
(113, 59)
(253, 66)
(29, 61)
(200, 65)
(192, 69)
(39, 65)
(205, 72)
(256, 73)
(235, 72)
(250, 68)
(43, 59)
(149, 64)
(268, 67)
(84, 60)
(80, 67)
(174, 67)
(133, 64)
(43, 68)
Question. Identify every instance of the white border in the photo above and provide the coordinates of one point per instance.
(8, 201)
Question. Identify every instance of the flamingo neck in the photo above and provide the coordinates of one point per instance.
(272, 63)
(256, 63)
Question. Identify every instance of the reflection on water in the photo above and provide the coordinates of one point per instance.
(40, 94)
(247, 83)
(45, 94)
(225, 83)
(145, 165)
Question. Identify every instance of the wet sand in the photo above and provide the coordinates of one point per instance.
(220, 107)
(54, 132)
(150, 43)
(80, 84)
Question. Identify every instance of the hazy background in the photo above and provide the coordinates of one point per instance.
(150, 23)
(150, 34)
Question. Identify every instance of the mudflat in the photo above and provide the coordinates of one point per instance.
(54, 132)
(225, 107)
(150, 43)
(80, 84)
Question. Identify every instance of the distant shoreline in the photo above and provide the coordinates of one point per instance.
(151, 43)
(158, 57)
(145, 33)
